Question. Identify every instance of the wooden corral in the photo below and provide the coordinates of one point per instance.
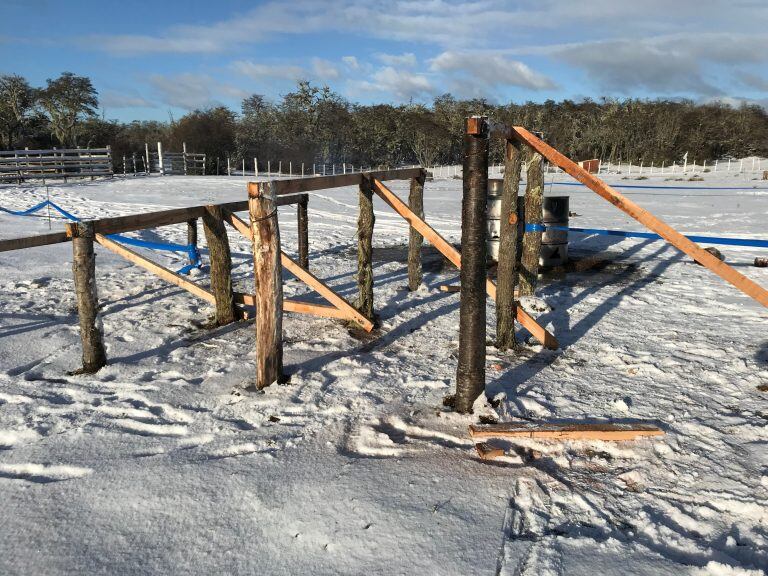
(21, 165)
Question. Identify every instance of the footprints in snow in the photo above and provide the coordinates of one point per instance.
(41, 473)
(393, 437)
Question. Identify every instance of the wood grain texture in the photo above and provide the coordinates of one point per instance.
(220, 264)
(84, 272)
(302, 218)
(506, 270)
(365, 223)
(534, 195)
(415, 239)
(470, 370)
(269, 284)
(610, 432)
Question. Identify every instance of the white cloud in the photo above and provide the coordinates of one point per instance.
(351, 62)
(192, 91)
(401, 84)
(679, 47)
(478, 73)
(670, 64)
(407, 59)
(754, 81)
(324, 70)
(113, 99)
(258, 71)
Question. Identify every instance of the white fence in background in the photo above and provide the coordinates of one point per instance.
(291, 170)
(751, 166)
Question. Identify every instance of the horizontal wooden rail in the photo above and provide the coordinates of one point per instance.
(454, 256)
(132, 222)
(33, 241)
(310, 184)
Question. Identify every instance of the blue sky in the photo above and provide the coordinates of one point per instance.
(151, 59)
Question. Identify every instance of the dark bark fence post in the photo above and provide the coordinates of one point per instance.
(221, 264)
(267, 273)
(365, 224)
(534, 191)
(415, 239)
(470, 374)
(303, 221)
(192, 235)
(84, 271)
(507, 267)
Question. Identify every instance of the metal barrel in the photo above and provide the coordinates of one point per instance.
(493, 222)
(554, 243)
(555, 210)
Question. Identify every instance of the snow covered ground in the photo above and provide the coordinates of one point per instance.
(162, 464)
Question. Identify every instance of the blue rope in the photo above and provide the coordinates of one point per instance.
(652, 236)
(650, 187)
(192, 252)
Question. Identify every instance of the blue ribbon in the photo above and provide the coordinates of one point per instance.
(705, 239)
(651, 187)
(192, 252)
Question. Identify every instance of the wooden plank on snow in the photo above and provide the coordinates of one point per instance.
(586, 431)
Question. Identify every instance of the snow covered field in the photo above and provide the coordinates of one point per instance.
(162, 464)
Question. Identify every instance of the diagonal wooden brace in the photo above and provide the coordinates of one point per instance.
(348, 311)
(661, 228)
(453, 256)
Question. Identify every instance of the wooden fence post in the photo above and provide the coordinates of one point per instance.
(303, 222)
(192, 235)
(470, 374)
(267, 271)
(415, 239)
(84, 271)
(507, 267)
(534, 190)
(365, 225)
(221, 264)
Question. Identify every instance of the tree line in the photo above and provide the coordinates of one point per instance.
(314, 125)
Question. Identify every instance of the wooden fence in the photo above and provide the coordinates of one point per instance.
(176, 163)
(20, 165)
(266, 303)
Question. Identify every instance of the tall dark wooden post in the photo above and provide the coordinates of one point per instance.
(365, 224)
(303, 222)
(470, 374)
(534, 192)
(221, 264)
(267, 273)
(192, 235)
(507, 267)
(84, 271)
(415, 239)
